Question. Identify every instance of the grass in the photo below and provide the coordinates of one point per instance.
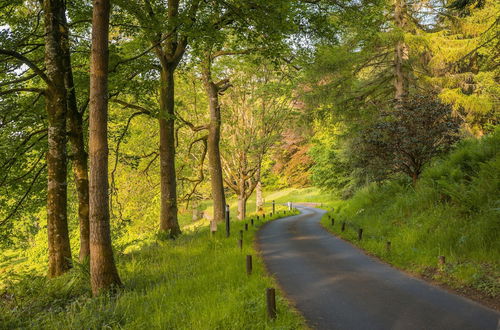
(453, 211)
(195, 282)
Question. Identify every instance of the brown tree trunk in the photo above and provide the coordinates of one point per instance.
(103, 272)
(214, 157)
(78, 154)
(56, 105)
(242, 206)
(259, 199)
(168, 216)
(401, 53)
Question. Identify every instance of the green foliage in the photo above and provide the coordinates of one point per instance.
(194, 282)
(453, 211)
(405, 138)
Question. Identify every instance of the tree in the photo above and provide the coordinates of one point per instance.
(255, 111)
(407, 137)
(103, 272)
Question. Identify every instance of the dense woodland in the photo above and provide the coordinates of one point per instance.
(131, 124)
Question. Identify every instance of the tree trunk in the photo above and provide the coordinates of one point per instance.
(214, 158)
(56, 106)
(401, 53)
(78, 154)
(103, 272)
(242, 206)
(168, 214)
(259, 200)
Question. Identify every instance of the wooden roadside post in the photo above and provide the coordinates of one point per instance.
(213, 227)
(271, 303)
(249, 265)
(343, 226)
(246, 226)
(388, 246)
(274, 207)
(228, 226)
(441, 262)
(251, 221)
(333, 221)
(360, 234)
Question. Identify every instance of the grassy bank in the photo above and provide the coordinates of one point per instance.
(454, 211)
(194, 282)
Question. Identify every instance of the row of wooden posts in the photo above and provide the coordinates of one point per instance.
(441, 259)
(270, 292)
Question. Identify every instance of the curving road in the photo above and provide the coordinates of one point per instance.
(336, 286)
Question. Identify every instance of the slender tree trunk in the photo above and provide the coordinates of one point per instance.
(214, 157)
(56, 105)
(401, 53)
(259, 199)
(242, 206)
(78, 154)
(168, 214)
(103, 272)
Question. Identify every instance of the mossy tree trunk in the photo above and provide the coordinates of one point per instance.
(56, 107)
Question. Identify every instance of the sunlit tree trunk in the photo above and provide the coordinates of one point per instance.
(401, 53)
(259, 198)
(214, 157)
(168, 215)
(103, 272)
(78, 154)
(242, 206)
(56, 105)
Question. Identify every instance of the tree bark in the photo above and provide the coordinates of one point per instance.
(103, 272)
(242, 206)
(214, 157)
(168, 216)
(56, 106)
(401, 53)
(78, 154)
(259, 199)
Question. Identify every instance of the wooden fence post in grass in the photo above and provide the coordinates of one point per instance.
(246, 226)
(263, 216)
(441, 262)
(213, 227)
(240, 244)
(249, 265)
(228, 226)
(271, 303)
(343, 226)
(333, 221)
(360, 234)
(257, 218)
(273, 207)
(251, 221)
(388, 246)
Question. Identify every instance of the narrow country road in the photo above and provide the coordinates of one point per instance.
(336, 286)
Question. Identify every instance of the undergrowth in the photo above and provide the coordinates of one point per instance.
(453, 211)
(195, 282)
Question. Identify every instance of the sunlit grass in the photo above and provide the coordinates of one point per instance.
(195, 282)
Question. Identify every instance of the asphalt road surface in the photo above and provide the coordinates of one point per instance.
(336, 286)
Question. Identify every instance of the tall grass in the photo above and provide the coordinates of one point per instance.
(195, 282)
(453, 211)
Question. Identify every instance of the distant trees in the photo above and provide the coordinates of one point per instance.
(256, 110)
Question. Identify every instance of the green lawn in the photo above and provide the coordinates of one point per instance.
(194, 282)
